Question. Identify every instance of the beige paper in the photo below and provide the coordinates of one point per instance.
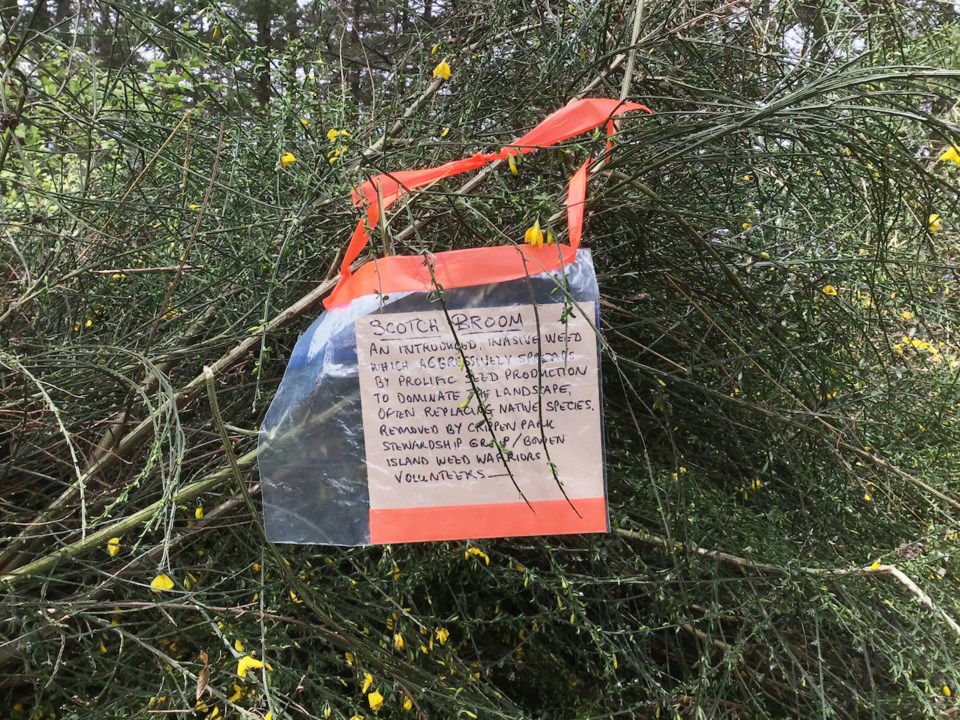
(427, 442)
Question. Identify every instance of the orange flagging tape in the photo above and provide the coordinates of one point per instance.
(489, 265)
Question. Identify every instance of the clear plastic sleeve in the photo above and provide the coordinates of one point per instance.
(312, 453)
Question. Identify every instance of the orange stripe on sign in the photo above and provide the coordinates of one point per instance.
(468, 522)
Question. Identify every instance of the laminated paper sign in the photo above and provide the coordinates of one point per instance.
(448, 395)
(499, 437)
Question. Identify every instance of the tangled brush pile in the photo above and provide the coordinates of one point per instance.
(775, 250)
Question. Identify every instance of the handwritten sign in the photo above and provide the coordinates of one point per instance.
(482, 422)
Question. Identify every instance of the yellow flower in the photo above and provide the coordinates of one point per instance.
(248, 663)
(407, 703)
(295, 598)
(255, 567)
(446, 131)
(512, 162)
(237, 693)
(747, 225)
(435, 49)
(947, 692)
(868, 497)
(193, 206)
(398, 642)
(933, 223)
(875, 566)
(477, 552)
(367, 682)
(287, 159)
(238, 646)
(268, 716)
(332, 134)
(113, 546)
(951, 154)
(376, 700)
(161, 582)
(442, 635)
(198, 513)
(357, 717)
(534, 236)
(906, 316)
(304, 122)
(88, 323)
(442, 70)
(829, 291)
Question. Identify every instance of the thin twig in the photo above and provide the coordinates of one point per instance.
(631, 59)
(761, 567)
(146, 270)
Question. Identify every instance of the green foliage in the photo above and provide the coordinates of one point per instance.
(780, 378)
